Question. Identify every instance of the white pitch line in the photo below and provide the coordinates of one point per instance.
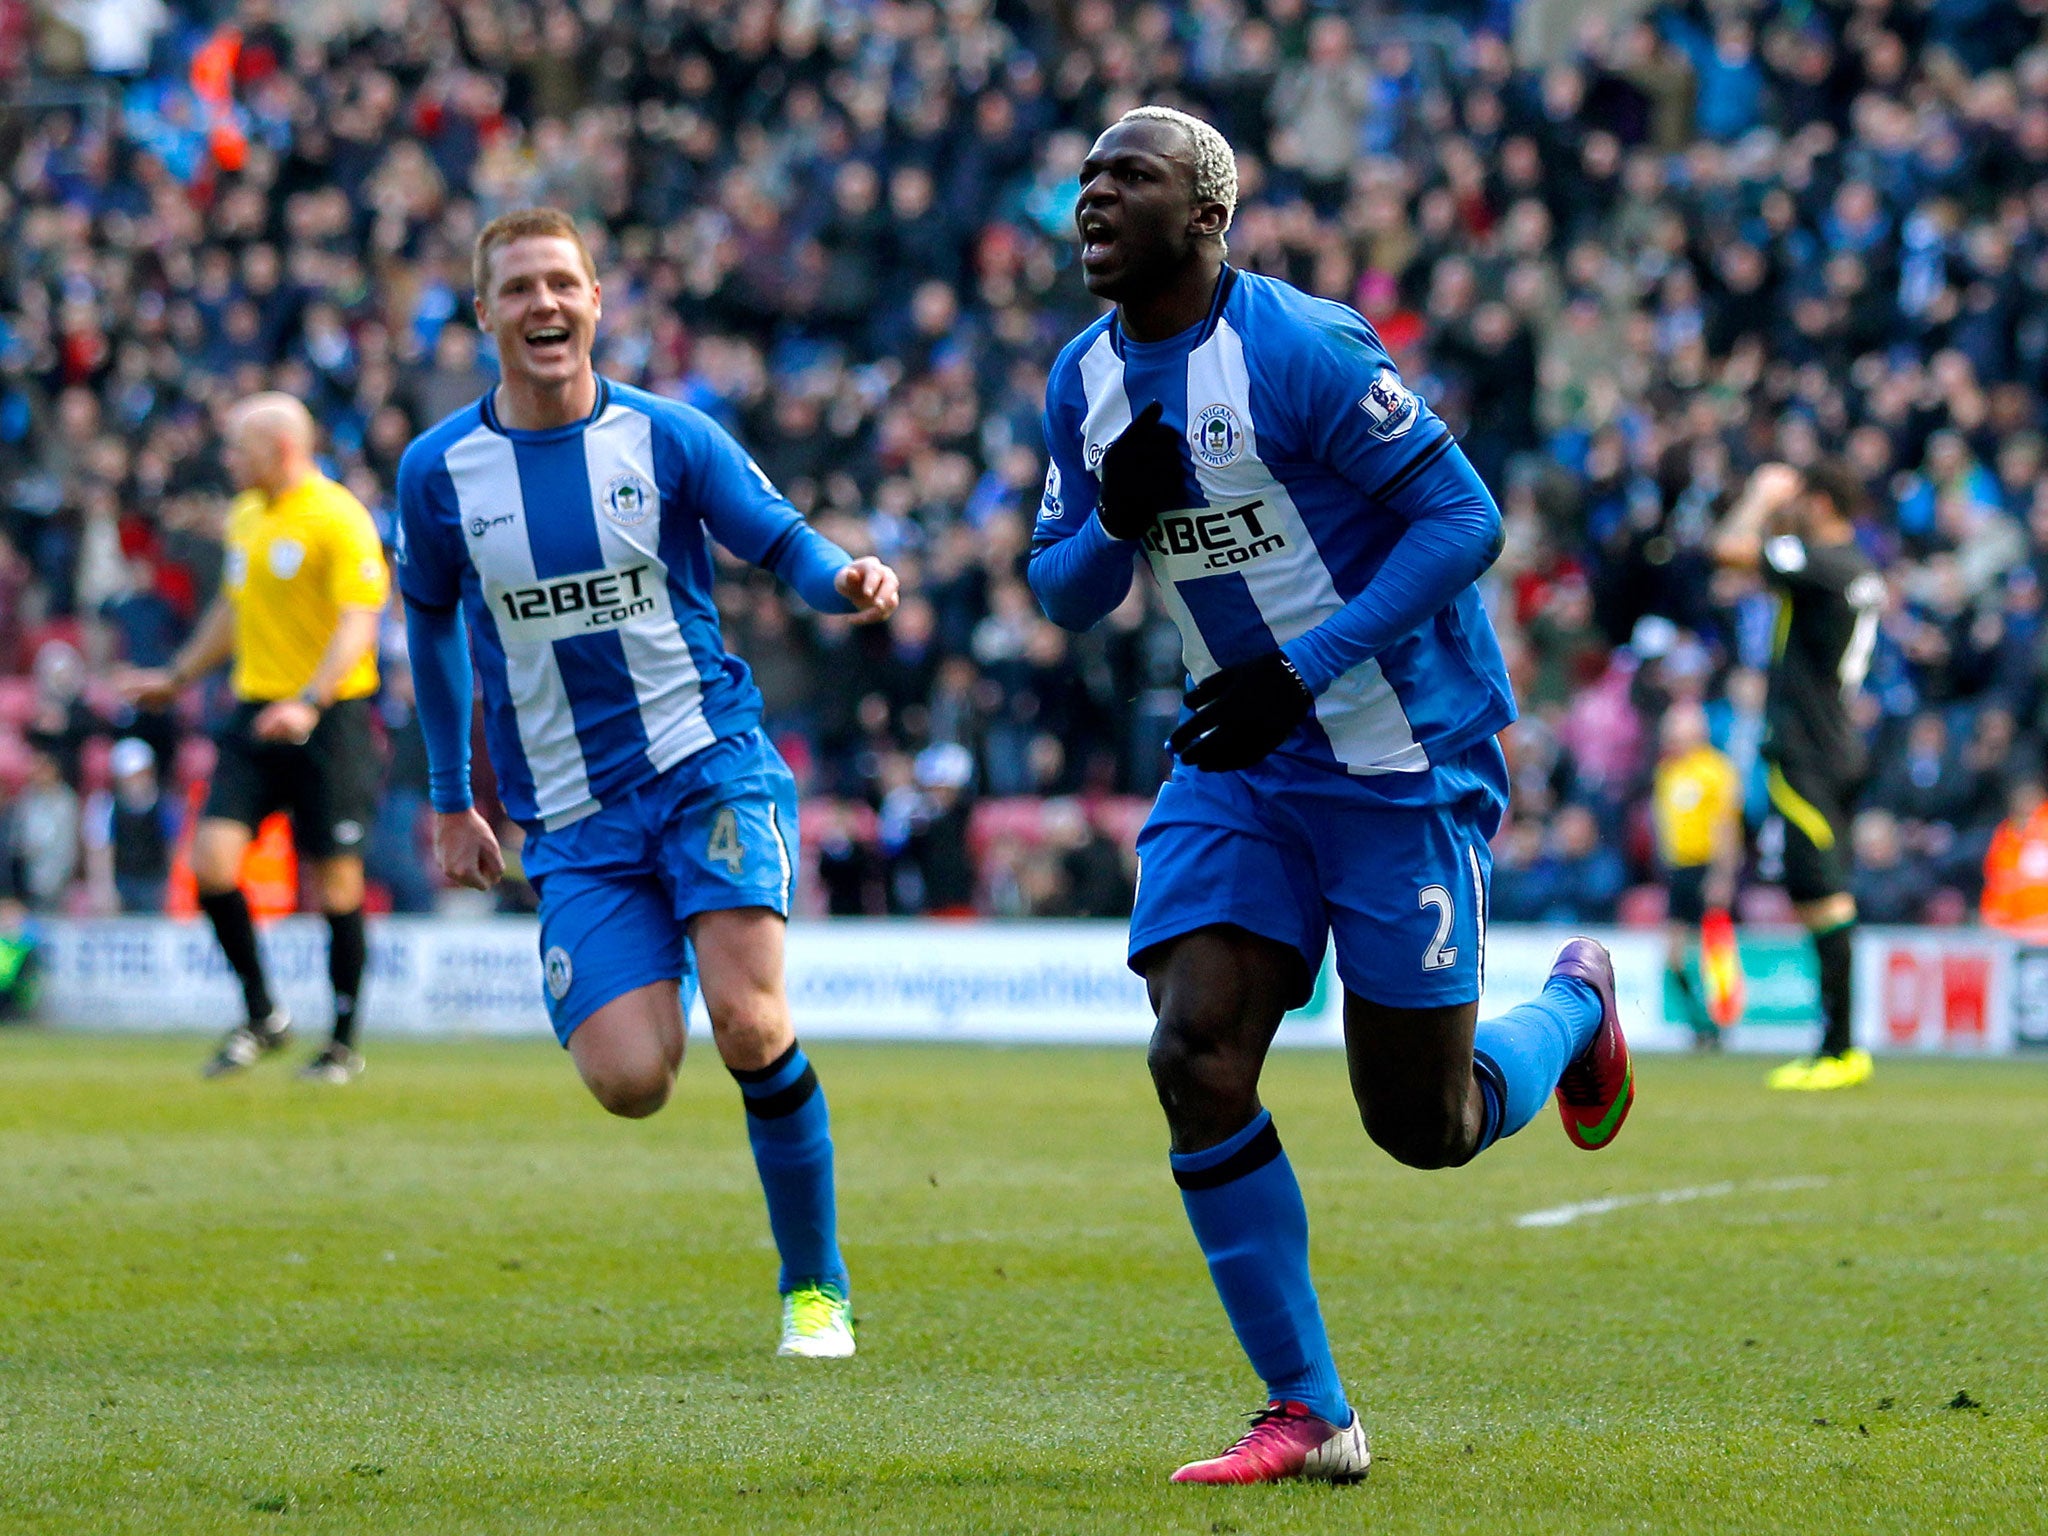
(1565, 1215)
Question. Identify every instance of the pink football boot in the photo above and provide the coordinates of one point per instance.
(1286, 1440)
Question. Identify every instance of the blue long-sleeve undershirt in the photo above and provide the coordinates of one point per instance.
(810, 563)
(1079, 579)
(439, 650)
(1453, 535)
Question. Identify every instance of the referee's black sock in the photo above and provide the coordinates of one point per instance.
(228, 911)
(1834, 949)
(347, 948)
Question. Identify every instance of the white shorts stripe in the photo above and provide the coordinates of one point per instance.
(1478, 908)
(782, 852)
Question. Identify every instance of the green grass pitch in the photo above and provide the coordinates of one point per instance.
(456, 1297)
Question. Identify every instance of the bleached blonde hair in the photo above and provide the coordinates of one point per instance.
(1215, 164)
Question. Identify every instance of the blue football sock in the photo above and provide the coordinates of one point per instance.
(792, 1137)
(1519, 1056)
(1246, 1209)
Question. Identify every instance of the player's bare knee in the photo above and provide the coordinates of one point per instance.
(1416, 1146)
(1419, 1136)
(631, 1084)
(1195, 1061)
(751, 1030)
(635, 1093)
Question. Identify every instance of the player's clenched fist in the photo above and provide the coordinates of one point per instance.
(870, 586)
(1242, 714)
(467, 849)
(1141, 476)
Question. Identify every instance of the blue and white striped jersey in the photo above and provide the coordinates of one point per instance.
(581, 559)
(1305, 460)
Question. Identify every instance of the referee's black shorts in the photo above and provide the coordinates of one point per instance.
(328, 785)
(1685, 887)
(1813, 810)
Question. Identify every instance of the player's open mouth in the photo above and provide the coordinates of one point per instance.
(1098, 240)
(548, 336)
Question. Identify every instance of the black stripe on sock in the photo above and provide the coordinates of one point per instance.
(1488, 1071)
(784, 1101)
(1249, 1158)
(1416, 466)
(762, 1074)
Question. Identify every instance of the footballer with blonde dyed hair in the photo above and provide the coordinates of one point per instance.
(1316, 533)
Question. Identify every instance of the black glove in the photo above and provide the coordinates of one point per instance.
(1142, 475)
(1241, 714)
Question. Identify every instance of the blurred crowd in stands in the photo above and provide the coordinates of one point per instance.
(1702, 238)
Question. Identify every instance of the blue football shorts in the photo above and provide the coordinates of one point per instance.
(1396, 866)
(618, 888)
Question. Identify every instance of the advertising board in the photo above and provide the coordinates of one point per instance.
(1919, 989)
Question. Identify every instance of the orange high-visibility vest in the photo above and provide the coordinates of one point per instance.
(270, 869)
(2016, 875)
(213, 82)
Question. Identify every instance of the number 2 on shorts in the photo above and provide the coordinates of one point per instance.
(725, 847)
(1436, 957)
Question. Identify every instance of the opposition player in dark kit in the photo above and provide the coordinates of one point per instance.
(1315, 533)
(1795, 528)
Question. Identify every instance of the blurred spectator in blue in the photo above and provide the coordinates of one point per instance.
(131, 829)
(1889, 885)
(1573, 877)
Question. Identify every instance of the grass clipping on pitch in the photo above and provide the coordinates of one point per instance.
(456, 1297)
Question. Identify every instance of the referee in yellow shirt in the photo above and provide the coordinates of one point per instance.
(1696, 805)
(298, 612)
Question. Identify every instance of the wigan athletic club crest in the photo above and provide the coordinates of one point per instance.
(628, 500)
(1217, 436)
(560, 973)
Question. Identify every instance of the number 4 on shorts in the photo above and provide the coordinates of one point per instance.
(725, 846)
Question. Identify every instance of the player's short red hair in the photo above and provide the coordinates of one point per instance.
(524, 224)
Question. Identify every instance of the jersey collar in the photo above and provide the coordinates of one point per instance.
(488, 405)
(290, 494)
(1226, 283)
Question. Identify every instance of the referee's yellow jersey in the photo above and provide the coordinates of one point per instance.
(293, 564)
(1696, 794)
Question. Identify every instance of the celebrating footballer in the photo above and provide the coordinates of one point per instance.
(1315, 532)
(564, 521)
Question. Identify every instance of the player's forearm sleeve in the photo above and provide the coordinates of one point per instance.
(1454, 534)
(810, 562)
(756, 522)
(1080, 579)
(441, 693)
